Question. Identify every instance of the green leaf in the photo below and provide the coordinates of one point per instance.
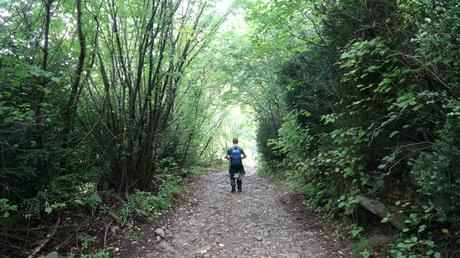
(306, 114)
(48, 210)
(372, 68)
(393, 134)
(384, 220)
(421, 228)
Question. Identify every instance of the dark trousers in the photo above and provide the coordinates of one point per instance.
(236, 181)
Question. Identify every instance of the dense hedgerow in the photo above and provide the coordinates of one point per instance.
(371, 89)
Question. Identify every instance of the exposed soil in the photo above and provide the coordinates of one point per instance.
(262, 221)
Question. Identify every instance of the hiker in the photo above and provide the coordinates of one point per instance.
(235, 155)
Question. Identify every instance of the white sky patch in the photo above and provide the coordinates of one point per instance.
(4, 15)
(235, 17)
(237, 115)
(223, 5)
(235, 22)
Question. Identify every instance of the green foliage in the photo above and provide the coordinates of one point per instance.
(101, 254)
(91, 199)
(149, 205)
(365, 254)
(6, 208)
(436, 174)
(364, 246)
(380, 84)
(77, 124)
(295, 140)
(356, 230)
(96, 255)
(265, 133)
(439, 41)
(412, 247)
(86, 241)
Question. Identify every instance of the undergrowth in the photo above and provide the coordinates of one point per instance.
(419, 237)
(91, 221)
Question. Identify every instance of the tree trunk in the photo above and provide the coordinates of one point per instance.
(69, 116)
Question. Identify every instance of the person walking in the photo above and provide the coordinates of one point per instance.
(235, 155)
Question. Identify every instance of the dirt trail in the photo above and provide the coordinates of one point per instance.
(260, 222)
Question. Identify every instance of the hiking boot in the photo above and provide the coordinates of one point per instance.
(233, 189)
(240, 190)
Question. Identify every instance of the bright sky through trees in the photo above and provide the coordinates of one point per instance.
(224, 5)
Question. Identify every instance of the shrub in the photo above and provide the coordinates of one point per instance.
(436, 174)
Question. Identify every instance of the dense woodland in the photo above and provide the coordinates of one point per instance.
(107, 107)
(360, 107)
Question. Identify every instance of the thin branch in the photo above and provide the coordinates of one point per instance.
(49, 237)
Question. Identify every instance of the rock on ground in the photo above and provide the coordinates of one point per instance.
(160, 232)
(260, 222)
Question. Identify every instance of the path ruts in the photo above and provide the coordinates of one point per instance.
(260, 222)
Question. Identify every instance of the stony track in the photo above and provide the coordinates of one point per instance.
(262, 221)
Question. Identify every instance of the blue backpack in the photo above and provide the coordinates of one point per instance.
(235, 157)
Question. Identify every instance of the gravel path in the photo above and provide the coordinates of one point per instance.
(262, 221)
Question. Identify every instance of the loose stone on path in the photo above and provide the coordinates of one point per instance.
(160, 232)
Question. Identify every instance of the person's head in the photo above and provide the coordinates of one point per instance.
(235, 141)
